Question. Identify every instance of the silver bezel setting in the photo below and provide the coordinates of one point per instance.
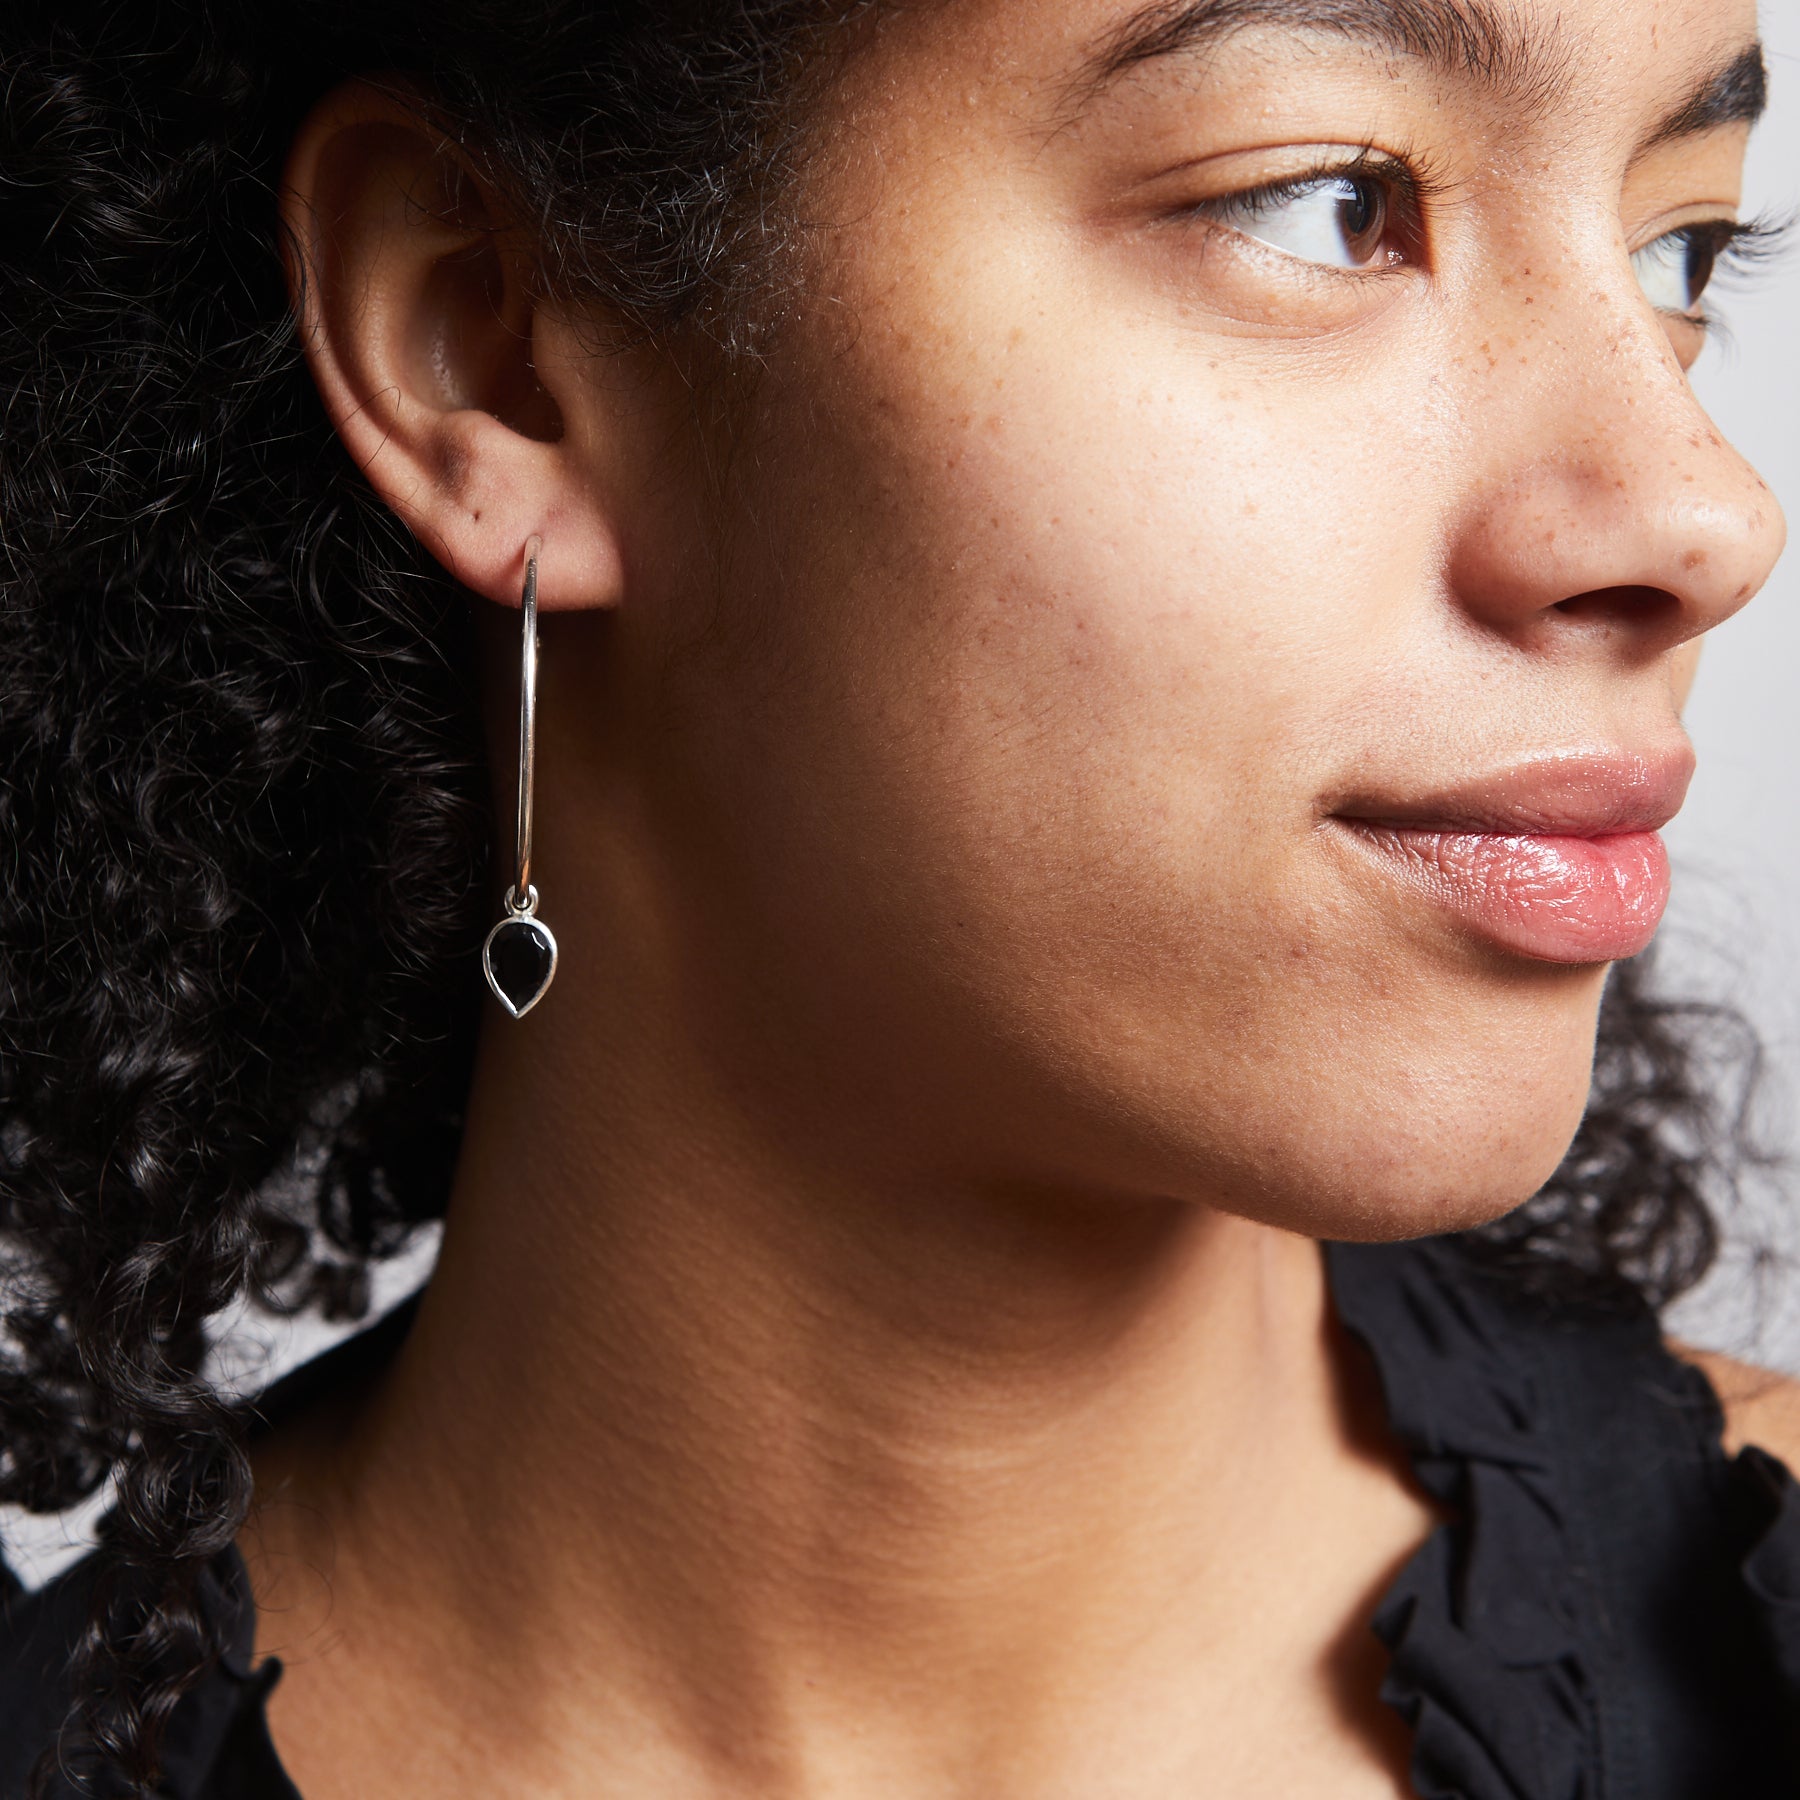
(527, 917)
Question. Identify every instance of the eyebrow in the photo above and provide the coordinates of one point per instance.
(1737, 94)
(1466, 38)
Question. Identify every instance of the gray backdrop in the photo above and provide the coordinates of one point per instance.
(1734, 928)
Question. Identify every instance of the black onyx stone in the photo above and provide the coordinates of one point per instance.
(520, 955)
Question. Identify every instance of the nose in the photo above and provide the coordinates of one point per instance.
(1607, 504)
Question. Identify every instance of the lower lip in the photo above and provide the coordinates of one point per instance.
(1558, 899)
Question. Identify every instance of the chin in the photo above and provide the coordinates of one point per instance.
(1410, 1136)
(1451, 1170)
(1393, 1218)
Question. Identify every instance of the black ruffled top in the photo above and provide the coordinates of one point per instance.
(1613, 1612)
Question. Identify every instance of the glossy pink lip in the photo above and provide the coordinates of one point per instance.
(1557, 859)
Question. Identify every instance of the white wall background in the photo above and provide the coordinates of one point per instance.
(1734, 928)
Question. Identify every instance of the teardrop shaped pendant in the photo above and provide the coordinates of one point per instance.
(519, 957)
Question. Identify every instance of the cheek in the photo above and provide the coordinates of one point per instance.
(1082, 646)
(1119, 625)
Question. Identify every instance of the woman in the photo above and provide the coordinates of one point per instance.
(1116, 588)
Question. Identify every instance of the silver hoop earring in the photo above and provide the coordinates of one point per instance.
(519, 956)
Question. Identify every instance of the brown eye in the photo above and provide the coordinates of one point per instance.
(1339, 221)
(1675, 268)
(1362, 215)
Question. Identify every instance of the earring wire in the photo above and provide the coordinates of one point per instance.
(522, 898)
(519, 955)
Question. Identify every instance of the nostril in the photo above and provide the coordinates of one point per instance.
(1620, 605)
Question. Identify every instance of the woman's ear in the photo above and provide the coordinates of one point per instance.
(465, 403)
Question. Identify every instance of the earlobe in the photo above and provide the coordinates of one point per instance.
(436, 364)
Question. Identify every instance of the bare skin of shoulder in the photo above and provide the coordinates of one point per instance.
(1761, 1407)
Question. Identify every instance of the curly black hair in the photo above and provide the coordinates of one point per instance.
(242, 795)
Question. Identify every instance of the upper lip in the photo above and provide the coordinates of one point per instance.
(1563, 793)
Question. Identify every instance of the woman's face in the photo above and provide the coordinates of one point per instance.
(1177, 690)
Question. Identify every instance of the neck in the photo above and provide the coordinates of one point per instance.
(771, 1453)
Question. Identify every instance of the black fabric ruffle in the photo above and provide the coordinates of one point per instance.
(1772, 1572)
(1485, 1664)
(224, 1752)
(1613, 1607)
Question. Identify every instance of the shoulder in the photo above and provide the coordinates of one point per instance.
(38, 1632)
(218, 1727)
(1760, 1407)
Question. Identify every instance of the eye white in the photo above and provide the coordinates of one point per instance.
(1665, 271)
(1328, 221)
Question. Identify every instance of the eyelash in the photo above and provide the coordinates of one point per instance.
(1411, 182)
(1755, 241)
(1743, 247)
